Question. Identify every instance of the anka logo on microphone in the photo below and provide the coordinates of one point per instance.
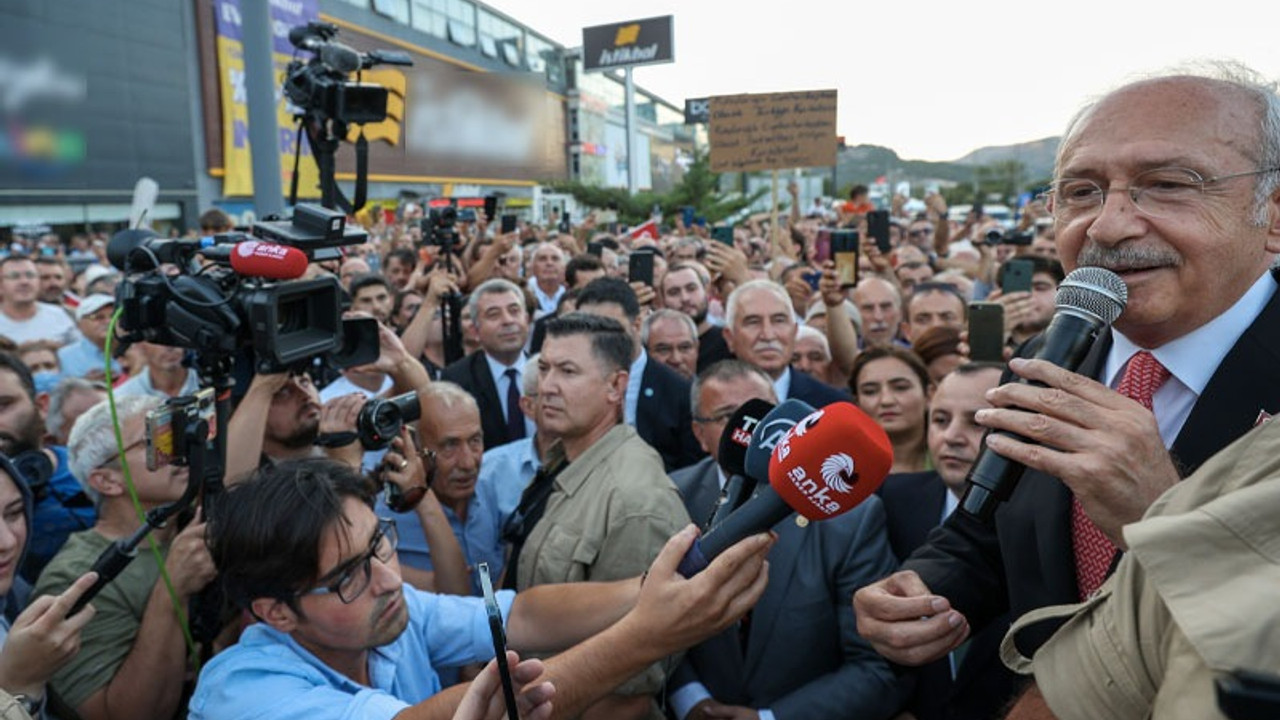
(257, 249)
(838, 473)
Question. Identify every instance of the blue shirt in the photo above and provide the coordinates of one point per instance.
(496, 497)
(53, 520)
(81, 357)
(269, 675)
(634, 381)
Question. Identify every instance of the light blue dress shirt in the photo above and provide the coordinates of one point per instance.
(269, 675)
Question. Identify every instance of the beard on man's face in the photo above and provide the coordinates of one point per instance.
(304, 434)
(26, 437)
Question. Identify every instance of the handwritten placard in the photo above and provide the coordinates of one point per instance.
(773, 131)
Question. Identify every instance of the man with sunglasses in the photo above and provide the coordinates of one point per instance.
(132, 661)
(339, 634)
(1174, 184)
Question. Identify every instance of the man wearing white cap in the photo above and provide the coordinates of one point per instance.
(84, 357)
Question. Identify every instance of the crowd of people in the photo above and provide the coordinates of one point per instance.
(569, 441)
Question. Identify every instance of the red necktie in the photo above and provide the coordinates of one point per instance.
(1093, 551)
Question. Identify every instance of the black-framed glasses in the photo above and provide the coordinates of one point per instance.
(1160, 192)
(351, 579)
(717, 418)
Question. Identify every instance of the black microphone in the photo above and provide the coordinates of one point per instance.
(737, 435)
(137, 249)
(1088, 301)
(339, 57)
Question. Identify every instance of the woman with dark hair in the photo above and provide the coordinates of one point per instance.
(939, 350)
(892, 385)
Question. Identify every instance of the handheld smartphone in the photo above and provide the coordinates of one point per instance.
(565, 225)
(640, 268)
(490, 207)
(467, 215)
(165, 424)
(723, 234)
(844, 248)
(878, 229)
(822, 245)
(813, 277)
(499, 639)
(508, 223)
(595, 248)
(1016, 275)
(986, 332)
(686, 215)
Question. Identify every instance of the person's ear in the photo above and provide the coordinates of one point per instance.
(275, 613)
(106, 482)
(1273, 222)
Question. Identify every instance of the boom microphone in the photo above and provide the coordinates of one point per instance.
(1088, 300)
(821, 448)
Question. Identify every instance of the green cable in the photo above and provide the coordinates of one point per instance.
(133, 495)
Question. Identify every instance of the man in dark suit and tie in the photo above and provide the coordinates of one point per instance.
(969, 684)
(716, 394)
(760, 327)
(657, 399)
(799, 656)
(1172, 183)
(492, 374)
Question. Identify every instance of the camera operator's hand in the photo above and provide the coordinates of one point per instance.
(42, 639)
(403, 465)
(339, 414)
(189, 564)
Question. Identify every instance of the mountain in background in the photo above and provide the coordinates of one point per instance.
(865, 163)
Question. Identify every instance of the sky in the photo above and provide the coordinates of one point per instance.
(932, 80)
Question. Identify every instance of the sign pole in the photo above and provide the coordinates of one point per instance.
(633, 167)
(775, 239)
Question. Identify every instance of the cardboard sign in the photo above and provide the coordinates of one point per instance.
(773, 131)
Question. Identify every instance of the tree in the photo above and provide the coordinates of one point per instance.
(698, 188)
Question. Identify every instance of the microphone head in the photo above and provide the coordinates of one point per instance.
(268, 260)
(737, 435)
(123, 243)
(830, 461)
(770, 431)
(1095, 291)
(339, 57)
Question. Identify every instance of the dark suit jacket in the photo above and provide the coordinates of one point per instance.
(699, 486)
(663, 417)
(913, 504)
(712, 348)
(472, 373)
(804, 658)
(809, 389)
(1025, 560)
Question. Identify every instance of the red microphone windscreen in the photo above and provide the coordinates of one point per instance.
(830, 461)
(268, 260)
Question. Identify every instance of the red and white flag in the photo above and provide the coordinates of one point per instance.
(647, 229)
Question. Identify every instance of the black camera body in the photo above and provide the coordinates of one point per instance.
(439, 227)
(218, 311)
(998, 237)
(380, 419)
(320, 86)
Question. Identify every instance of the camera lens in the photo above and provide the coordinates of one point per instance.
(994, 237)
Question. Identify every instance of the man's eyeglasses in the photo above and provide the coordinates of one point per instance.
(1161, 192)
(719, 417)
(351, 579)
(18, 275)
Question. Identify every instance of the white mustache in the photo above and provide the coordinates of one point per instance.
(1125, 257)
(768, 345)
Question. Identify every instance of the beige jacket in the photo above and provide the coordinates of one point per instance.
(1197, 594)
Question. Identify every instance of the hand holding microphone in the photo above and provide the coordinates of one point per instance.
(824, 466)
